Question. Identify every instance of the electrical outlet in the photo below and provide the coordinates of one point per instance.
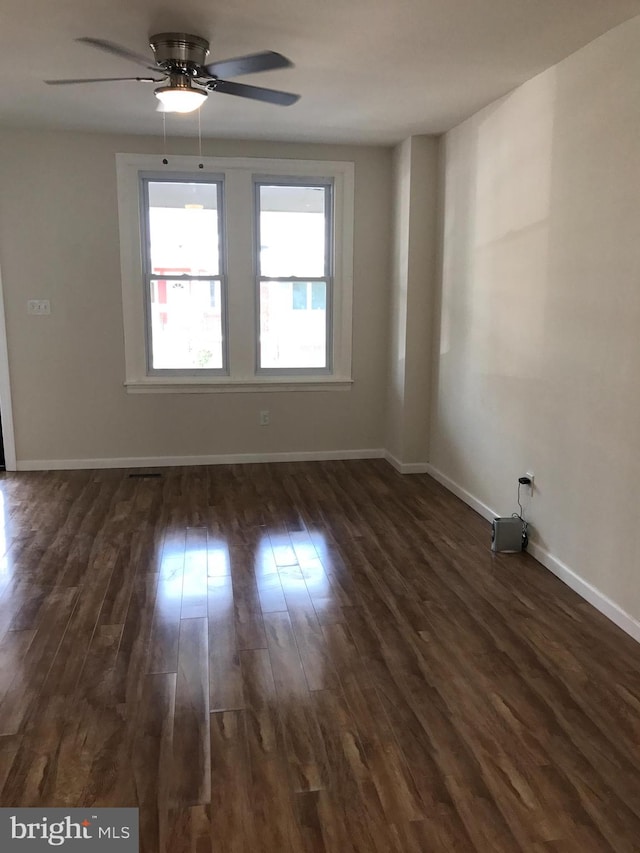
(263, 419)
(38, 307)
(529, 486)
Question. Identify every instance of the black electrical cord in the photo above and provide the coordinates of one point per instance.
(522, 481)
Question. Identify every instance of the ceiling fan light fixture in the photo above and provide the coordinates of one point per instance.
(180, 99)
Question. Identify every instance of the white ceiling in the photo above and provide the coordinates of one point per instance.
(368, 71)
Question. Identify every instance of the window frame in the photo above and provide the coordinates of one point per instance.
(145, 246)
(238, 234)
(297, 181)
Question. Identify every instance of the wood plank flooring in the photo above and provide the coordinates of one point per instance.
(301, 658)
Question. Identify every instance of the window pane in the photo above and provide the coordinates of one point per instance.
(292, 231)
(290, 336)
(299, 295)
(183, 228)
(319, 296)
(186, 325)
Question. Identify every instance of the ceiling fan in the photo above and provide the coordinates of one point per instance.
(180, 59)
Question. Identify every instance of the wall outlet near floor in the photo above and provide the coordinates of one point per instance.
(38, 307)
(263, 418)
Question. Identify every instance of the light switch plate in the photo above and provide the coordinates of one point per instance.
(38, 307)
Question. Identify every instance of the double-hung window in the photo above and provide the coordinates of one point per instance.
(294, 274)
(236, 273)
(183, 263)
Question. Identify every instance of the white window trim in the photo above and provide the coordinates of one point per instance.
(238, 174)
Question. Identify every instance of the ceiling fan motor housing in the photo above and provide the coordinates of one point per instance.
(176, 51)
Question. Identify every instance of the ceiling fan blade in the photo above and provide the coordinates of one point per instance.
(250, 64)
(117, 50)
(255, 93)
(103, 80)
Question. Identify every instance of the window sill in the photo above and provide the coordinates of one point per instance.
(236, 386)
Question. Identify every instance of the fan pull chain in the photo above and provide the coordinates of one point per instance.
(200, 164)
(164, 139)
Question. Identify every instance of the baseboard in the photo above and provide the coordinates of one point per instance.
(481, 508)
(590, 593)
(181, 461)
(225, 459)
(572, 579)
(406, 467)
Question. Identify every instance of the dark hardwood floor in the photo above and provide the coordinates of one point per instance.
(302, 658)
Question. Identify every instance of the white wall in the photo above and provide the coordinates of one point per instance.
(412, 286)
(538, 364)
(59, 241)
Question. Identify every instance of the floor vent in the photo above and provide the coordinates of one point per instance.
(145, 475)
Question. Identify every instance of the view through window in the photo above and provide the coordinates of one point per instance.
(184, 281)
(294, 275)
